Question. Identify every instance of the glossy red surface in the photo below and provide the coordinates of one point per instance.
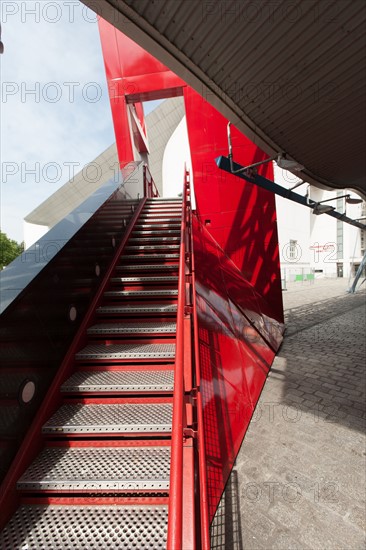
(235, 354)
(240, 216)
(133, 76)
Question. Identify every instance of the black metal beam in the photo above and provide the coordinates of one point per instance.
(224, 164)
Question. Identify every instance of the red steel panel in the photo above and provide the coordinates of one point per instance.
(240, 216)
(238, 338)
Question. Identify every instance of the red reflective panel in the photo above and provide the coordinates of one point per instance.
(240, 216)
(238, 337)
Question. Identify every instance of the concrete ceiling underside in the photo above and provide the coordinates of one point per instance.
(289, 74)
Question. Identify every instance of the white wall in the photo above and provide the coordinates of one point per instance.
(176, 155)
(316, 236)
(293, 223)
(32, 233)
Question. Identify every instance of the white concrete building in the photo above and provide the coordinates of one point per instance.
(314, 246)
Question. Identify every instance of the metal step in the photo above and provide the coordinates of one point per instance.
(98, 468)
(159, 212)
(170, 308)
(157, 226)
(132, 328)
(139, 293)
(156, 232)
(150, 257)
(154, 239)
(157, 218)
(116, 381)
(93, 527)
(169, 280)
(149, 267)
(156, 200)
(112, 418)
(153, 247)
(127, 351)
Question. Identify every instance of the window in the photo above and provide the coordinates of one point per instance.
(363, 241)
(292, 250)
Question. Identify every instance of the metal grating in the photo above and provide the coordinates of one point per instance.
(165, 221)
(88, 527)
(127, 351)
(154, 247)
(116, 418)
(144, 279)
(157, 227)
(139, 293)
(127, 381)
(167, 214)
(133, 328)
(144, 257)
(155, 239)
(150, 267)
(99, 468)
(156, 232)
(162, 202)
(171, 308)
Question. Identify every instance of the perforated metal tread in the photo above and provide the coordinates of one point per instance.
(156, 232)
(133, 328)
(112, 418)
(153, 247)
(146, 279)
(170, 308)
(149, 267)
(154, 239)
(98, 468)
(89, 527)
(116, 381)
(165, 221)
(156, 200)
(144, 257)
(139, 293)
(156, 226)
(127, 351)
(168, 214)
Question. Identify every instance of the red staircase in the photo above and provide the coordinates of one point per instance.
(103, 477)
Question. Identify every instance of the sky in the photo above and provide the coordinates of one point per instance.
(55, 114)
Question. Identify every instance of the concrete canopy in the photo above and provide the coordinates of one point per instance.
(288, 74)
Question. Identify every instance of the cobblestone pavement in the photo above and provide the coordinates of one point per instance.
(299, 479)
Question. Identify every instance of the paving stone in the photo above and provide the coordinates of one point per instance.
(310, 432)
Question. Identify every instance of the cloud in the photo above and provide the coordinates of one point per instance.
(54, 102)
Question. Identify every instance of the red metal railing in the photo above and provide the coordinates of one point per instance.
(186, 308)
(150, 189)
(202, 466)
(175, 518)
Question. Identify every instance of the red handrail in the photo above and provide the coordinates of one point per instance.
(175, 519)
(202, 464)
(150, 189)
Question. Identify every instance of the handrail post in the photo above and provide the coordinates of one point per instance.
(150, 189)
